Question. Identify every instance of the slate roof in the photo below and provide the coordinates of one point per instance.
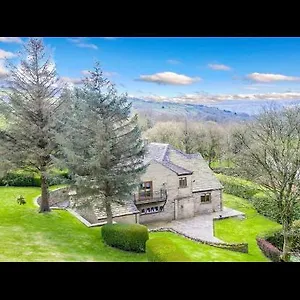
(190, 164)
(160, 153)
(128, 208)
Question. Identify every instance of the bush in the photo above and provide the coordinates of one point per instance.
(31, 179)
(129, 237)
(238, 187)
(225, 170)
(275, 237)
(269, 250)
(266, 206)
(164, 250)
(263, 203)
(296, 225)
(16, 179)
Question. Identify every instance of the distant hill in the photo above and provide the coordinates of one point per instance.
(179, 111)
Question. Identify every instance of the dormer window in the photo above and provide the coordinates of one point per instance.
(182, 182)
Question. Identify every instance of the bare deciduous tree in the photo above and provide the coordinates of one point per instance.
(270, 155)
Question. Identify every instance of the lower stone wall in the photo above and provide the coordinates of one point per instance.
(166, 215)
(129, 219)
(237, 247)
(58, 198)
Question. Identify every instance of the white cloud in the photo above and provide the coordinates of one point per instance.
(85, 45)
(10, 40)
(3, 70)
(79, 42)
(169, 78)
(173, 62)
(85, 72)
(75, 40)
(219, 67)
(109, 38)
(6, 54)
(205, 98)
(264, 77)
(71, 80)
(110, 74)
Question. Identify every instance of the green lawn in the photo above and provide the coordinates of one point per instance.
(26, 235)
(222, 164)
(235, 230)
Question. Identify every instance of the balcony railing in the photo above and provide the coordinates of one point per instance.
(157, 196)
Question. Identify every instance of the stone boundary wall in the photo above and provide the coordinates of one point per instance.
(238, 247)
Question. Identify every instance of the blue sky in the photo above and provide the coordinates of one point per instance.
(192, 70)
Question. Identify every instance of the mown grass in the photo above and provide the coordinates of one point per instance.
(26, 235)
(236, 230)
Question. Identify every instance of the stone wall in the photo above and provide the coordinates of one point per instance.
(129, 219)
(237, 247)
(58, 198)
(213, 206)
(181, 202)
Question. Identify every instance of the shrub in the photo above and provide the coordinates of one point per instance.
(16, 179)
(275, 237)
(164, 250)
(21, 200)
(238, 187)
(269, 250)
(129, 237)
(31, 179)
(225, 170)
(266, 206)
(296, 225)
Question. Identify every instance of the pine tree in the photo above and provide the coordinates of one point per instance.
(29, 106)
(101, 144)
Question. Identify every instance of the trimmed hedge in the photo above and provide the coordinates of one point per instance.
(263, 203)
(266, 206)
(275, 238)
(164, 250)
(239, 187)
(129, 237)
(269, 250)
(31, 179)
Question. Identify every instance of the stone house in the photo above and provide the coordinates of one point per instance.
(176, 185)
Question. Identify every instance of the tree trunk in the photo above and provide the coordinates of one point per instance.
(109, 215)
(44, 205)
(286, 242)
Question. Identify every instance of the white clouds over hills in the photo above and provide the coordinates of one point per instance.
(170, 78)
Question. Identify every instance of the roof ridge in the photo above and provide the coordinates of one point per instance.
(165, 153)
(170, 163)
(187, 155)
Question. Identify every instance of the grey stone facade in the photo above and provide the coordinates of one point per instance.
(166, 166)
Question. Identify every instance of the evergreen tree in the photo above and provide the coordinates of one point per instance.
(101, 144)
(29, 106)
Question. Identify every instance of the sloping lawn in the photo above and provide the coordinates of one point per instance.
(205, 253)
(235, 230)
(26, 235)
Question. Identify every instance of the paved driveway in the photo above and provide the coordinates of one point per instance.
(201, 226)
